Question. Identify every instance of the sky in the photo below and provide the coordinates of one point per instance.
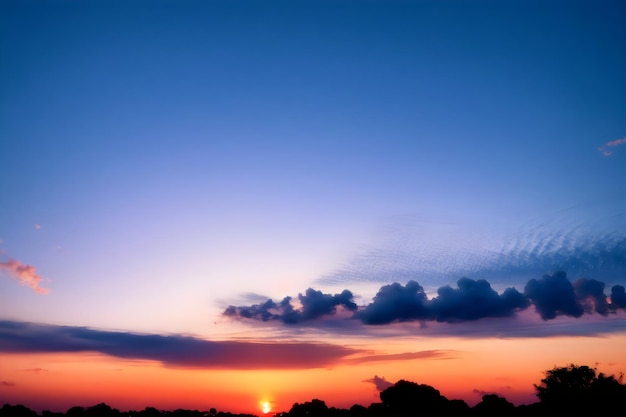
(230, 203)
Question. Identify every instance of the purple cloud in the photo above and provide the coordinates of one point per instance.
(472, 300)
(170, 350)
(380, 382)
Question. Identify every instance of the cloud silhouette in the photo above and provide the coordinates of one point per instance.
(315, 304)
(380, 382)
(618, 297)
(394, 302)
(553, 295)
(605, 148)
(472, 300)
(590, 294)
(26, 274)
(170, 350)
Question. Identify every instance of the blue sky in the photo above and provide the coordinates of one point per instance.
(208, 150)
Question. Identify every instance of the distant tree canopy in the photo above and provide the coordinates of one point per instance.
(570, 391)
(409, 398)
(577, 390)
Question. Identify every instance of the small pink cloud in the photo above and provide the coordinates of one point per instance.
(24, 273)
(604, 148)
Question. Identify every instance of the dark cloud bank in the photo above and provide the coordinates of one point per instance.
(171, 350)
(180, 351)
(551, 296)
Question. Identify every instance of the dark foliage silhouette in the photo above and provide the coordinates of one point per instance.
(494, 405)
(577, 390)
(570, 391)
(407, 398)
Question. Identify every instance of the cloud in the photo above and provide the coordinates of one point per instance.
(380, 382)
(314, 305)
(618, 297)
(424, 354)
(604, 148)
(555, 295)
(170, 350)
(24, 273)
(474, 300)
(34, 370)
(586, 239)
(482, 393)
(397, 303)
(552, 296)
(7, 383)
(590, 294)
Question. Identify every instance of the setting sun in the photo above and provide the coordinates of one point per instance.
(265, 407)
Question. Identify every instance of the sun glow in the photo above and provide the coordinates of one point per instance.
(265, 407)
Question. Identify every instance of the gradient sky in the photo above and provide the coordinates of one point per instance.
(167, 167)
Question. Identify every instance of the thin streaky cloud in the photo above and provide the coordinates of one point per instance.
(424, 354)
(26, 274)
(34, 370)
(617, 142)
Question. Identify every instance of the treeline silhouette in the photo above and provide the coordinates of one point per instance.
(566, 391)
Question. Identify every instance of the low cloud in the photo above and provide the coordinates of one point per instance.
(171, 350)
(380, 382)
(605, 149)
(25, 274)
(555, 295)
(314, 305)
(395, 302)
(474, 300)
(618, 297)
(7, 383)
(552, 296)
(424, 354)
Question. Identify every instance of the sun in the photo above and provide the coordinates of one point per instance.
(265, 407)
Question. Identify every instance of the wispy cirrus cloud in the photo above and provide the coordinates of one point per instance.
(585, 239)
(26, 274)
(606, 148)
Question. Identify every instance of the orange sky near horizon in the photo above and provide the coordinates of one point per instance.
(508, 367)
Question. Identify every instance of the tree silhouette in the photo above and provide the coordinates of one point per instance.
(494, 405)
(576, 390)
(408, 398)
(313, 408)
